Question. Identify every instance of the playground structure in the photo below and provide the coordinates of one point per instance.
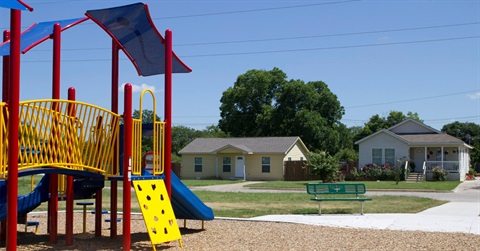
(79, 146)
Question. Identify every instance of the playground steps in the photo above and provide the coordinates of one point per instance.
(22, 219)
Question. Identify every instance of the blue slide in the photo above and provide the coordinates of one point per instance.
(28, 202)
(186, 205)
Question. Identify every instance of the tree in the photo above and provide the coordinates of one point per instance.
(469, 133)
(324, 165)
(377, 123)
(213, 131)
(264, 103)
(147, 116)
(246, 107)
(182, 136)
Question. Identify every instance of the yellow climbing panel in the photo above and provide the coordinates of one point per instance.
(157, 211)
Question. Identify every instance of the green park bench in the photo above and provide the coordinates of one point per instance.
(319, 189)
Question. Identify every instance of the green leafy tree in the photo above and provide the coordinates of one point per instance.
(246, 107)
(182, 136)
(377, 123)
(264, 103)
(213, 131)
(147, 118)
(323, 164)
(469, 133)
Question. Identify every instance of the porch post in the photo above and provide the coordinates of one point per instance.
(216, 166)
(442, 153)
(244, 168)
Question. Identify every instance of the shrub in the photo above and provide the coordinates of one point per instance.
(439, 173)
(376, 172)
(324, 165)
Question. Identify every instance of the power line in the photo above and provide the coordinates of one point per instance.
(285, 51)
(256, 10)
(298, 37)
(331, 48)
(409, 100)
(329, 35)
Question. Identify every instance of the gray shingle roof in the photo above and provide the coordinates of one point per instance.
(430, 138)
(249, 145)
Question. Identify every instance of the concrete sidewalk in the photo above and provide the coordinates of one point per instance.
(432, 220)
(461, 215)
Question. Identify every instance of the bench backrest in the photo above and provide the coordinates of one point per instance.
(335, 188)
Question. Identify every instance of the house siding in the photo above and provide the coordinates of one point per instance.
(209, 165)
(296, 153)
(212, 151)
(382, 141)
(227, 175)
(411, 127)
(253, 167)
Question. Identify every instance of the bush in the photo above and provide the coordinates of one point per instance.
(324, 165)
(375, 172)
(439, 173)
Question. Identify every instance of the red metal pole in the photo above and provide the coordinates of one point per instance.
(168, 111)
(6, 70)
(13, 123)
(53, 207)
(127, 153)
(114, 105)
(57, 33)
(70, 194)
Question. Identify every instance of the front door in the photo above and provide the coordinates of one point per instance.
(417, 155)
(239, 167)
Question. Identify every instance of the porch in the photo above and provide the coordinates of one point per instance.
(451, 159)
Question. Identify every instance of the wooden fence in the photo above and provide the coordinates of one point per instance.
(295, 171)
(177, 169)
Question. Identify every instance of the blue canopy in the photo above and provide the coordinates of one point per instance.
(133, 29)
(13, 4)
(38, 33)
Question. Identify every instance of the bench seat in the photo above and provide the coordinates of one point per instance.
(337, 189)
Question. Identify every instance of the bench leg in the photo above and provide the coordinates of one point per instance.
(361, 212)
(319, 208)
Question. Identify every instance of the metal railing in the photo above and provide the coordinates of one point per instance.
(406, 170)
(449, 166)
(63, 134)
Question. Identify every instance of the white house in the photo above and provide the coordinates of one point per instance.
(423, 145)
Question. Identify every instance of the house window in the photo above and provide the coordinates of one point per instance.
(301, 158)
(377, 156)
(227, 164)
(289, 158)
(198, 164)
(265, 164)
(390, 157)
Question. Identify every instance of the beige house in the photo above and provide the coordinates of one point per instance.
(240, 158)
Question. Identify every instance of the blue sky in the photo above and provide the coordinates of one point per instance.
(376, 56)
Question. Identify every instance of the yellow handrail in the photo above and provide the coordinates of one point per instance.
(158, 140)
(63, 134)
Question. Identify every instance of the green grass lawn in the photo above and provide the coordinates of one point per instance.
(384, 185)
(244, 205)
(227, 204)
(201, 183)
